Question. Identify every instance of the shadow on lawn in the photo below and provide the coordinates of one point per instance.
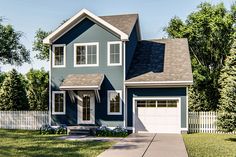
(231, 139)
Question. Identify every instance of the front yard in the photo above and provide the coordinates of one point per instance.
(210, 145)
(31, 143)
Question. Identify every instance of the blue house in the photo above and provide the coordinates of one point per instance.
(103, 73)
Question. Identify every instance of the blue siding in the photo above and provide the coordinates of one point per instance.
(177, 92)
(84, 32)
(130, 47)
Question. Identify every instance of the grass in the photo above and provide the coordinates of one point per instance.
(210, 145)
(31, 143)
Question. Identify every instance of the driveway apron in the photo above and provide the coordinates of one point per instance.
(148, 145)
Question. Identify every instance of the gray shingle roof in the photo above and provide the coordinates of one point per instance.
(124, 23)
(82, 81)
(161, 60)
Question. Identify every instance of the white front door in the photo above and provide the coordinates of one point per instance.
(86, 108)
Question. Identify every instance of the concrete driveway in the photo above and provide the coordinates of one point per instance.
(148, 145)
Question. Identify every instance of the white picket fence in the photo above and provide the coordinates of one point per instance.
(204, 122)
(27, 120)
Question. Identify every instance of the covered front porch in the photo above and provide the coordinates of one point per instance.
(83, 91)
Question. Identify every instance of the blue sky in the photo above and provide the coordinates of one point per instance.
(29, 15)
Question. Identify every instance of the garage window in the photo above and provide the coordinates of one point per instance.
(157, 103)
(146, 103)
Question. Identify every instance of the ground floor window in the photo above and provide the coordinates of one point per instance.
(58, 102)
(114, 102)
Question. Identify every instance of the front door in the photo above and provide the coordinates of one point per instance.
(86, 107)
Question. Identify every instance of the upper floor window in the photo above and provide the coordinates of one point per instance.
(86, 54)
(114, 49)
(59, 55)
(58, 102)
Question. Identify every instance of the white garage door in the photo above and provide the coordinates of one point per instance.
(157, 116)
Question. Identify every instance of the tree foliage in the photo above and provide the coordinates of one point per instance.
(12, 93)
(227, 81)
(210, 34)
(12, 51)
(2, 77)
(42, 49)
(37, 89)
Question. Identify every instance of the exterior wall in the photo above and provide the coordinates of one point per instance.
(175, 92)
(130, 47)
(84, 32)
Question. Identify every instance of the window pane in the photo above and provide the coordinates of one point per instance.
(86, 107)
(59, 55)
(161, 103)
(91, 54)
(80, 55)
(59, 102)
(114, 102)
(141, 103)
(114, 53)
(151, 103)
(172, 103)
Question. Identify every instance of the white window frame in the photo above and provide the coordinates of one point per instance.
(86, 44)
(53, 55)
(108, 102)
(53, 102)
(108, 53)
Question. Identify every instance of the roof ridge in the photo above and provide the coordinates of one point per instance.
(120, 14)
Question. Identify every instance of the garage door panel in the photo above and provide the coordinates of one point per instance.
(158, 119)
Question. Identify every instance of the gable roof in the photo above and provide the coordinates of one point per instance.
(125, 22)
(161, 62)
(116, 24)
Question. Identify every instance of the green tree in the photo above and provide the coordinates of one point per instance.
(2, 77)
(42, 49)
(210, 34)
(12, 93)
(11, 50)
(37, 89)
(227, 81)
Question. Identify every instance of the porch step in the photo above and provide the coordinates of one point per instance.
(81, 130)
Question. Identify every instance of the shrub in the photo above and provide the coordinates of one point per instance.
(47, 129)
(107, 132)
(62, 129)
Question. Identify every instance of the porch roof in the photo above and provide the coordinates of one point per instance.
(82, 82)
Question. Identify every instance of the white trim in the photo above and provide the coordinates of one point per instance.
(124, 88)
(108, 102)
(108, 53)
(80, 87)
(80, 108)
(154, 98)
(79, 15)
(159, 83)
(184, 129)
(50, 88)
(53, 55)
(187, 108)
(86, 44)
(53, 102)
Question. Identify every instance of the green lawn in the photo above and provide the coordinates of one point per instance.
(31, 143)
(210, 145)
